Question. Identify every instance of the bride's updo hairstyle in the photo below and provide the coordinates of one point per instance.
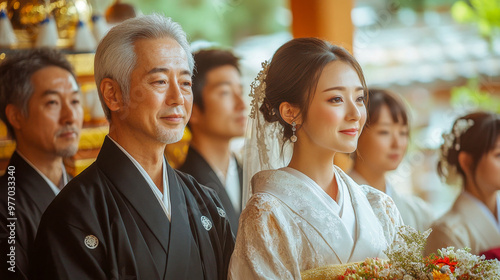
(293, 75)
(475, 134)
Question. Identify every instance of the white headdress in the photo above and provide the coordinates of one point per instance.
(452, 140)
(264, 144)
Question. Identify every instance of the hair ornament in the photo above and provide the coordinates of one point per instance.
(452, 139)
(258, 89)
(460, 127)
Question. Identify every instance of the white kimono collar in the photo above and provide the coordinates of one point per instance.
(314, 205)
(474, 216)
(480, 205)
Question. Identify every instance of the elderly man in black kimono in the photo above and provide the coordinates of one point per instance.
(40, 105)
(130, 215)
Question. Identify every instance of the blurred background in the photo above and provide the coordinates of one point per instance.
(442, 56)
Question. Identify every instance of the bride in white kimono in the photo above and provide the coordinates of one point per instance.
(305, 212)
(470, 156)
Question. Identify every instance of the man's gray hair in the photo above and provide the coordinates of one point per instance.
(115, 57)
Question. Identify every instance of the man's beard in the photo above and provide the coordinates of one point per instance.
(72, 148)
(170, 136)
(67, 151)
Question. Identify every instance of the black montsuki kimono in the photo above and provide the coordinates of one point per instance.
(199, 168)
(108, 224)
(31, 197)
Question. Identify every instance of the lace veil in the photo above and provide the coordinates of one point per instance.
(264, 144)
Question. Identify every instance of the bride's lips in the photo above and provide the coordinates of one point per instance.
(241, 119)
(350, 132)
(394, 156)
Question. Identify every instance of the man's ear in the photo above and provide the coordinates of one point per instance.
(465, 161)
(14, 116)
(112, 94)
(290, 113)
(196, 115)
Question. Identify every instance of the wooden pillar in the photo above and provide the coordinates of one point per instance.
(329, 20)
(325, 19)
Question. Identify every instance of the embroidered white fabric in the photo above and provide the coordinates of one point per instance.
(288, 227)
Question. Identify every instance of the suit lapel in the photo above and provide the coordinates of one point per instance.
(32, 183)
(202, 166)
(240, 177)
(212, 181)
(132, 185)
(224, 198)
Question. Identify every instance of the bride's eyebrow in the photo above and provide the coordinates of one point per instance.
(340, 88)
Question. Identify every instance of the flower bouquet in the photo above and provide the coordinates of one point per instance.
(405, 261)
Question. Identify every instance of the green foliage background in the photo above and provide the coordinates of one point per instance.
(221, 21)
(484, 13)
(472, 98)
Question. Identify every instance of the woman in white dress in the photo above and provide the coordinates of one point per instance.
(305, 212)
(470, 156)
(381, 148)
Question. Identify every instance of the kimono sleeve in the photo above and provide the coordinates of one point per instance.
(265, 248)
(64, 251)
(16, 236)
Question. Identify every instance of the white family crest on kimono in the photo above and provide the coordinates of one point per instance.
(467, 224)
(291, 225)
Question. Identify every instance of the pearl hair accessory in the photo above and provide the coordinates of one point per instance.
(452, 140)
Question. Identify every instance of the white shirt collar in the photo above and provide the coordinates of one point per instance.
(163, 199)
(231, 182)
(53, 187)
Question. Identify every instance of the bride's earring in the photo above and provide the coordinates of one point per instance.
(293, 138)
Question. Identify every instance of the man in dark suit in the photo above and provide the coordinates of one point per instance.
(130, 215)
(218, 117)
(40, 105)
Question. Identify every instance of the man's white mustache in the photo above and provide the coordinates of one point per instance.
(173, 111)
(67, 129)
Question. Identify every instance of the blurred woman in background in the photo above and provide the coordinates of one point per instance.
(381, 148)
(471, 155)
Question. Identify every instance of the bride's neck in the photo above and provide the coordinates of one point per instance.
(316, 165)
